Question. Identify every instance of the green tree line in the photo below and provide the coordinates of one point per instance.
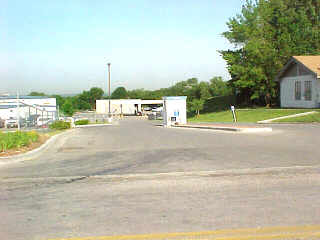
(197, 93)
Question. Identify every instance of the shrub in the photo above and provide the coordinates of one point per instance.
(82, 122)
(17, 139)
(60, 125)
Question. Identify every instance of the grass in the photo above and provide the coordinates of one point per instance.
(310, 118)
(17, 139)
(251, 115)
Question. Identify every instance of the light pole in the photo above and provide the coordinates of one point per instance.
(109, 113)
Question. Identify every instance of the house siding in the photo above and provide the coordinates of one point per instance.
(287, 92)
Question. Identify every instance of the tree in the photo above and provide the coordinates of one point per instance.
(37, 94)
(87, 99)
(197, 105)
(60, 100)
(119, 93)
(265, 35)
(218, 87)
(67, 108)
(95, 94)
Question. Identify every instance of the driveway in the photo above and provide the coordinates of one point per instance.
(141, 178)
(137, 146)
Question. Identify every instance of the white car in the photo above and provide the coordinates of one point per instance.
(13, 123)
(157, 109)
(44, 121)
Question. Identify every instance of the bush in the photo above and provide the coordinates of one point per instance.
(60, 125)
(82, 122)
(17, 139)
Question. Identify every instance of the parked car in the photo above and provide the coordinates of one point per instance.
(32, 120)
(79, 118)
(157, 109)
(13, 122)
(44, 121)
(2, 123)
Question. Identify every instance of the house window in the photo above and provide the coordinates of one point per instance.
(297, 90)
(307, 87)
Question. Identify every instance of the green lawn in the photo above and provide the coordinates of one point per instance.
(311, 118)
(253, 115)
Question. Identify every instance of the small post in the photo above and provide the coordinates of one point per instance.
(18, 111)
(109, 112)
(233, 110)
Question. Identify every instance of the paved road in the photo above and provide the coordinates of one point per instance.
(139, 146)
(140, 178)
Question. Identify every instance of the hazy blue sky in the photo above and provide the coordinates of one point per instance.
(63, 46)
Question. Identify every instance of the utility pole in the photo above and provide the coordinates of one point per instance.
(109, 113)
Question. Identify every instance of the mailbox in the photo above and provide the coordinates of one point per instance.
(174, 110)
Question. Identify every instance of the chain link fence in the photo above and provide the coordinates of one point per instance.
(98, 117)
(28, 117)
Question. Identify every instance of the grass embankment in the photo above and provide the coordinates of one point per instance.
(17, 139)
(310, 118)
(255, 115)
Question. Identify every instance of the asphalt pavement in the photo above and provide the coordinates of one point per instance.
(139, 177)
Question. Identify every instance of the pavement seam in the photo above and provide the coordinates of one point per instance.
(193, 174)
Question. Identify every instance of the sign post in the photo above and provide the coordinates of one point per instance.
(233, 110)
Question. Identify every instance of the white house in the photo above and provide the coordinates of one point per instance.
(300, 82)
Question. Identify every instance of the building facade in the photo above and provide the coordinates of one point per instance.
(28, 105)
(300, 82)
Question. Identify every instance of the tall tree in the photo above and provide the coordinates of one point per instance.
(87, 99)
(265, 35)
(68, 109)
(119, 93)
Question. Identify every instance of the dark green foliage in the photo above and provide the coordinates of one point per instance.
(17, 139)
(60, 125)
(119, 93)
(87, 99)
(219, 103)
(67, 108)
(60, 100)
(37, 94)
(82, 122)
(265, 35)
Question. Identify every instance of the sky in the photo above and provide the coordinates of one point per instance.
(64, 46)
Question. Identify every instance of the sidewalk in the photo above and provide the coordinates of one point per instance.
(232, 127)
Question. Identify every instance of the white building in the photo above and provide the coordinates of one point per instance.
(300, 82)
(28, 105)
(174, 110)
(124, 106)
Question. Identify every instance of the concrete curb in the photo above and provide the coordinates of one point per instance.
(96, 125)
(34, 153)
(230, 129)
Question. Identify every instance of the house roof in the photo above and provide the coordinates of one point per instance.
(310, 62)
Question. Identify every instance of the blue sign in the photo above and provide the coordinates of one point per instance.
(176, 112)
